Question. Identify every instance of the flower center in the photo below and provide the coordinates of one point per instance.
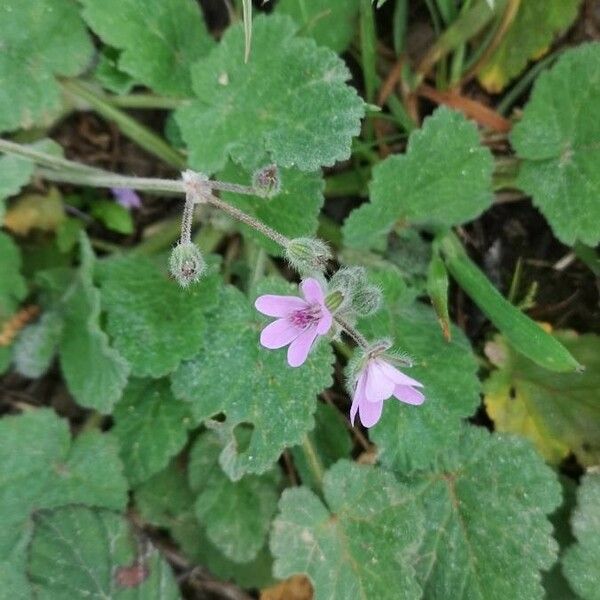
(305, 317)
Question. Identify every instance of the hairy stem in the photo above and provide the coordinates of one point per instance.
(352, 332)
(187, 220)
(241, 216)
(66, 171)
(47, 160)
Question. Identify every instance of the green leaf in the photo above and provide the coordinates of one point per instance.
(113, 216)
(39, 468)
(159, 39)
(294, 212)
(290, 101)
(558, 140)
(330, 22)
(525, 335)
(444, 179)
(108, 73)
(580, 563)
(37, 344)
(77, 553)
(487, 536)
(151, 426)
(153, 322)
(529, 37)
(41, 39)
(166, 500)
(95, 373)
(278, 401)
(408, 437)
(360, 544)
(236, 515)
(12, 285)
(92, 474)
(331, 440)
(555, 583)
(558, 412)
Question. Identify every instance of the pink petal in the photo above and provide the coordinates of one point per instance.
(358, 397)
(311, 290)
(405, 393)
(395, 375)
(370, 412)
(379, 387)
(300, 347)
(325, 322)
(278, 334)
(278, 306)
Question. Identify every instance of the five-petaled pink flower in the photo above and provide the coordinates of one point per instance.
(299, 321)
(378, 381)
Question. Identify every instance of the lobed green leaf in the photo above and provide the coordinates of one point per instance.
(41, 40)
(558, 140)
(487, 535)
(443, 179)
(262, 391)
(77, 553)
(331, 23)
(235, 514)
(360, 543)
(151, 426)
(95, 373)
(289, 101)
(154, 323)
(580, 563)
(159, 39)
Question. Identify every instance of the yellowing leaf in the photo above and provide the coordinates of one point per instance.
(529, 37)
(35, 211)
(558, 412)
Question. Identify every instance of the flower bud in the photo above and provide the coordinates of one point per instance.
(266, 181)
(186, 263)
(307, 255)
(366, 300)
(347, 278)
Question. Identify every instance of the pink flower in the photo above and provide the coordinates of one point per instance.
(299, 321)
(377, 382)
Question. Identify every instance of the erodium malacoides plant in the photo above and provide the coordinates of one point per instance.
(325, 307)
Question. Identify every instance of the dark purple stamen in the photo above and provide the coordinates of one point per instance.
(305, 317)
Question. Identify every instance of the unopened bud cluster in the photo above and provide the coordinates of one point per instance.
(186, 263)
(360, 296)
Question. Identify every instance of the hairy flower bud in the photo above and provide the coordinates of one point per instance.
(362, 298)
(307, 255)
(366, 299)
(186, 263)
(347, 278)
(266, 181)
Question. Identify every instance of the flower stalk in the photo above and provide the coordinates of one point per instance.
(58, 169)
